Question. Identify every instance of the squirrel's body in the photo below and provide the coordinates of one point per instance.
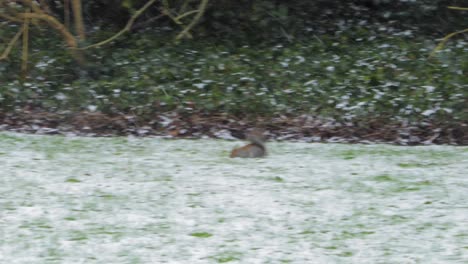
(255, 149)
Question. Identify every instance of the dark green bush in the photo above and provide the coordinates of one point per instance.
(348, 61)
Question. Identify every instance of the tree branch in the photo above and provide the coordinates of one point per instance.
(25, 49)
(201, 11)
(127, 27)
(68, 37)
(444, 40)
(53, 22)
(10, 45)
(458, 8)
(78, 16)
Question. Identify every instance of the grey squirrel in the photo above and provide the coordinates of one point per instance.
(255, 149)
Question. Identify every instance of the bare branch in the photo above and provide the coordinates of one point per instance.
(9, 13)
(78, 15)
(201, 11)
(25, 49)
(444, 40)
(146, 22)
(10, 45)
(127, 27)
(186, 14)
(166, 10)
(458, 8)
(11, 18)
(66, 13)
(53, 22)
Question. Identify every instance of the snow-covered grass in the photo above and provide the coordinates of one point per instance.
(132, 200)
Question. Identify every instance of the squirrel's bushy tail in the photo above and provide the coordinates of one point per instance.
(255, 149)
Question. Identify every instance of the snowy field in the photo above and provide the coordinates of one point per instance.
(129, 200)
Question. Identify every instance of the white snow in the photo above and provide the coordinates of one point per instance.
(200, 85)
(150, 200)
(92, 108)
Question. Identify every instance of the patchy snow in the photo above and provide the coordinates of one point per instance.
(200, 85)
(150, 200)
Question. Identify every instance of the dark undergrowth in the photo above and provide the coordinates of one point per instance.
(356, 80)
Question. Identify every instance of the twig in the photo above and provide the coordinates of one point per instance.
(127, 27)
(149, 21)
(53, 22)
(445, 39)
(25, 50)
(166, 11)
(201, 11)
(458, 8)
(186, 14)
(12, 42)
(11, 18)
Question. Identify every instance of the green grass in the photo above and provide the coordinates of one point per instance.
(201, 234)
